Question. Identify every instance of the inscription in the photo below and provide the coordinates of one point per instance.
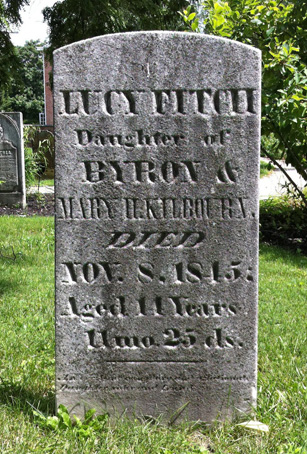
(220, 340)
(171, 339)
(160, 384)
(234, 209)
(183, 272)
(159, 102)
(187, 208)
(102, 339)
(6, 153)
(131, 141)
(208, 208)
(156, 249)
(8, 169)
(83, 208)
(183, 307)
(156, 239)
(141, 139)
(174, 337)
(141, 171)
(156, 306)
(180, 377)
(228, 173)
(197, 272)
(92, 273)
(95, 309)
(215, 140)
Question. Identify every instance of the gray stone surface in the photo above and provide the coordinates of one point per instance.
(157, 144)
(12, 173)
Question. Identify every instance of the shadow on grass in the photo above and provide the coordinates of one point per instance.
(8, 286)
(285, 254)
(20, 399)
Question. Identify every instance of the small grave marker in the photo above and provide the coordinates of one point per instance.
(12, 173)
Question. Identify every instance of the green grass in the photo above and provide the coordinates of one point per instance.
(266, 168)
(45, 181)
(27, 363)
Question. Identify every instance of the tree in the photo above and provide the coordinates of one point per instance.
(73, 20)
(9, 16)
(278, 28)
(26, 92)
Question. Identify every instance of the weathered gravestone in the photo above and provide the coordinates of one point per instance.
(157, 142)
(12, 167)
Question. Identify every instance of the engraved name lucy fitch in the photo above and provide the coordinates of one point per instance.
(157, 143)
(164, 102)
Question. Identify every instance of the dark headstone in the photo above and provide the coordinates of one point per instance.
(157, 149)
(12, 171)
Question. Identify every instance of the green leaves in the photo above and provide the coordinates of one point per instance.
(278, 29)
(218, 17)
(26, 92)
(189, 17)
(72, 20)
(63, 422)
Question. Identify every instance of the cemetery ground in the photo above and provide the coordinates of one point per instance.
(27, 421)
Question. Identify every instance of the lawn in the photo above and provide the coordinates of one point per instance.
(27, 363)
(44, 181)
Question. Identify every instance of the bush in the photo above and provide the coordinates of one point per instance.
(32, 167)
(265, 168)
(283, 220)
(35, 162)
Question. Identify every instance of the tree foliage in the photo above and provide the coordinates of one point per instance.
(73, 20)
(26, 92)
(278, 28)
(9, 16)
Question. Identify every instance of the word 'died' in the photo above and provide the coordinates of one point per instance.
(150, 239)
(141, 171)
(159, 102)
(156, 239)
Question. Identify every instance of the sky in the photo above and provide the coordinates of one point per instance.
(33, 26)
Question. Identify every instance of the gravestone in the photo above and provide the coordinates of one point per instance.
(12, 170)
(157, 145)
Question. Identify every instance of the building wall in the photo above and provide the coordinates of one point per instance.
(48, 94)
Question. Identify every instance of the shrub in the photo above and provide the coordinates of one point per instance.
(283, 220)
(32, 167)
(35, 162)
(265, 168)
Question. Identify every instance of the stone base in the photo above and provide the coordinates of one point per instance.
(12, 199)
